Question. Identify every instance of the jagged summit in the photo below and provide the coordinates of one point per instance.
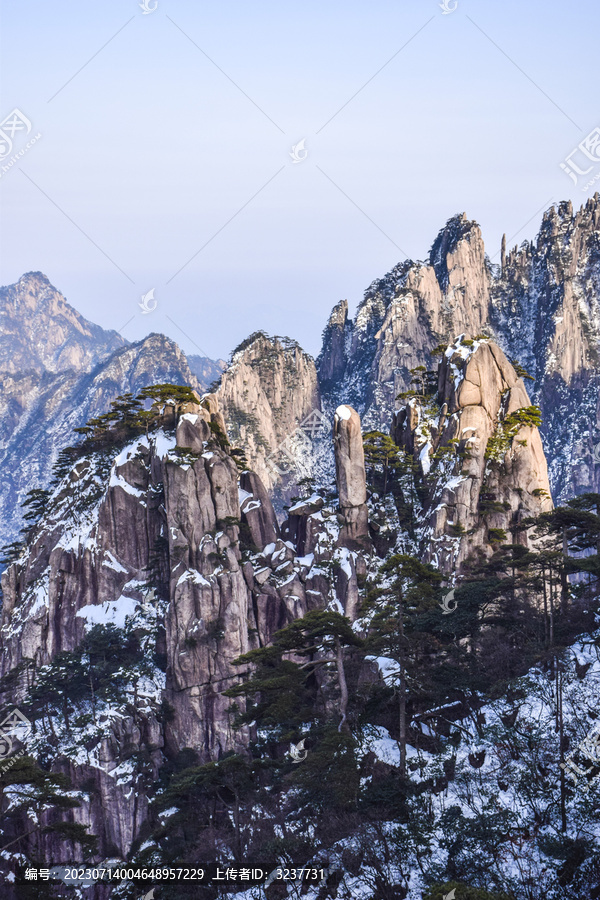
(170, 638)
(35, 276)
(331, 362)
(166, 541)
(57, 369)
(259, 341)
(268, 390)
(480, 446)
(541, 305)
(404, 315)
(41, 331)
(458, 228)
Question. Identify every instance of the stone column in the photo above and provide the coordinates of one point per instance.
(351, 478)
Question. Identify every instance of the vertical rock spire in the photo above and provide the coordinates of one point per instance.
(350, 477)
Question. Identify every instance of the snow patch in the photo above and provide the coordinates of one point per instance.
(194, 576)
(343, 412)
(112, 612)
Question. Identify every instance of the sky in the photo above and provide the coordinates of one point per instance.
(165, 160)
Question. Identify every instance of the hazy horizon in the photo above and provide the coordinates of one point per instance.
(164, 158)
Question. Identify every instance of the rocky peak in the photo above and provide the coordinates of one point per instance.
(541, 305)
(546, 309)
(57, 370)
(40, 331)
(37, 414)
(331, 363)
(351, 477)
(171, 546)
(443, 252)
(155, 358)
(405, 315)
(268, 390)
(480, 453)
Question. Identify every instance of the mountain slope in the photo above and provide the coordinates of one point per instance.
(57, 370)
(541, 304)
(156, 562)
(170, 545)
(40, 332)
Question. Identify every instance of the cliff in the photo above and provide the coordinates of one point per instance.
(480, 456)
(270, 398)
(57, 370)
(174, 557)
(546, 309)
(541, 305)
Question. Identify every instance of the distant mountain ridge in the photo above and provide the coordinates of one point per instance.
(56, 371)
(540, 303)
(206, 370)
(41, 332)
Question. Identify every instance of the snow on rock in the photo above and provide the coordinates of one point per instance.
(112, 612)
(194, 576)
(424, 458)
(343, 412)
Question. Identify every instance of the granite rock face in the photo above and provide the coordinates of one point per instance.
(351, 477)
(333, 358)
(41, 332)
(493, 475)
(545, 308)
(541, 305)
(257, 511)
(57, 370)
(170, 541)
(402, 318)
(267, 392)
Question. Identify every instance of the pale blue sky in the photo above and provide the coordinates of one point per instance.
(151, 149)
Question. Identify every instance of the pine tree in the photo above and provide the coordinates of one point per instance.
(382, 458)
(410, 590)
(286, 689)
(26, 792)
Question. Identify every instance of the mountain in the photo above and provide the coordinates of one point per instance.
(329, 614)
(541, 304)
(546, 308)
(182, 660)
(57, 370)
(41, 333)
(168, 539)
(206, 370)
(270, 398)
(482, 432)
